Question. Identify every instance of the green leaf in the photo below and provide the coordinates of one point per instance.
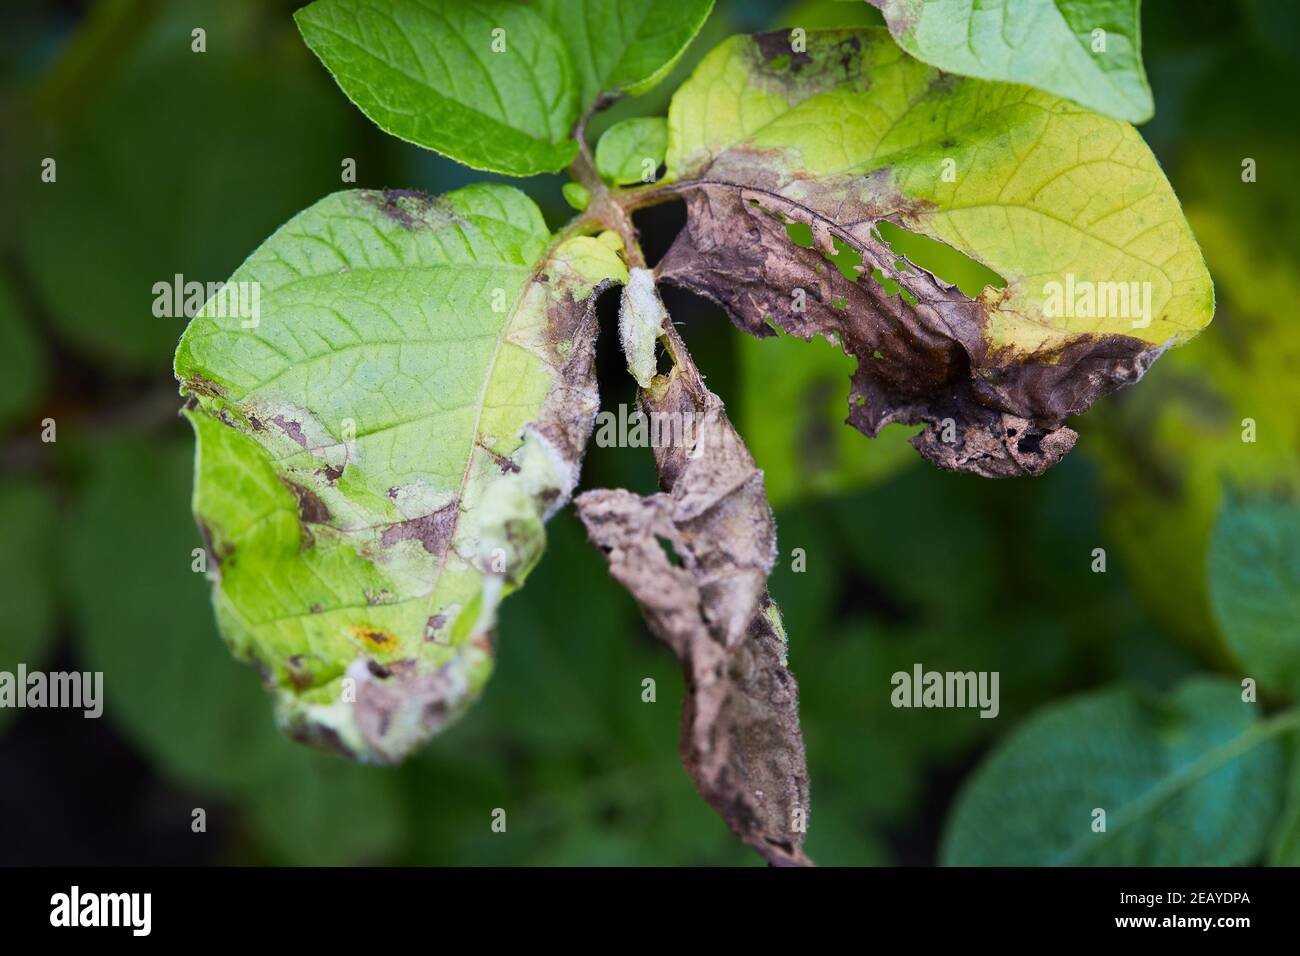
(22, 362)
(1254, 586)
(576, 195)
(850, 134)
(486, 82)
(624, 46)
(27, 590)
(379, 447)
(725, 21)
(1088, 51)
(632, 151)
(1191, 779)
(823, 14)
(493, 84)
(1284, 844)
(194, 202)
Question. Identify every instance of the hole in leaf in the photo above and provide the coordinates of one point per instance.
(1031, 443)
(940, 259)
(669, 550)
(663, 360)
(890, 286)
(800, 234)
(847, 259)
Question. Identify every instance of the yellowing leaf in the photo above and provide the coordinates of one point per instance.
(1100, 270)
(380, 439)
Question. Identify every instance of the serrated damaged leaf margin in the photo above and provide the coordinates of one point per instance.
(397, 652)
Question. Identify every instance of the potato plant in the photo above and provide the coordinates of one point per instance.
(959, 205)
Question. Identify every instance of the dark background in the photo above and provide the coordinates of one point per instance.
(170, 161)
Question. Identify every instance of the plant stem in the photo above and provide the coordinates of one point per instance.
(613, 210)
(603, 211)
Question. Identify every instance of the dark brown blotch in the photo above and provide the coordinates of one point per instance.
(311, 510)
(433, 530)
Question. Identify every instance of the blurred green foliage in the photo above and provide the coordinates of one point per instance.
(175, 162)
(1162, 781)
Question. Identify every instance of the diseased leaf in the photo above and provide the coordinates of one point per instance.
(1089, 51)
(1254, 587)
(378, 453)
(486, 82)
(1056, 200)
(696, 557)
(630, 149)
(1193, 779)
(623, 46)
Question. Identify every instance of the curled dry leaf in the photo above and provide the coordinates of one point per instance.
(708, 601)
(1101, 272)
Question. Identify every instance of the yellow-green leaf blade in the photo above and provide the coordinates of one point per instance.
(380, 444)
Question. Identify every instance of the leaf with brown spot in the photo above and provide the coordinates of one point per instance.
(378, 452)
(1100, 273)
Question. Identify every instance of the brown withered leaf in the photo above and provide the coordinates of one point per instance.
(917, 363)
(1093, 271)
(740, 725)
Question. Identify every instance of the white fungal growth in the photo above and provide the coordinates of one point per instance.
(640, 318)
